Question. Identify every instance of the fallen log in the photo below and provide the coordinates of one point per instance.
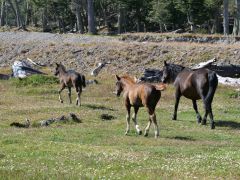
(99, 67)
(4, 76)
(23, 69)
(227, 70)
(151, 75)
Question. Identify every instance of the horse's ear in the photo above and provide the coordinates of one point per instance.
(165, 63)
(117, 77)
(135, 79)
(57, 64)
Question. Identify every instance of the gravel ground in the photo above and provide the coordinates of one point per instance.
(83, 52)
(26, 37)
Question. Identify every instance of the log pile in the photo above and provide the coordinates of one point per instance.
(228, 74)
(151, 75)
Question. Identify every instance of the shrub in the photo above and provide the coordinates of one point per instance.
(35, 80)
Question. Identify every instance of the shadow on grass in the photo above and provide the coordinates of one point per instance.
(98, 107)
(2, 156)
(182, 138)
(231, 124)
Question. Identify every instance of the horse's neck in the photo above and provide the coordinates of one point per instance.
(62, 71)
(176, 70)
(127, 85)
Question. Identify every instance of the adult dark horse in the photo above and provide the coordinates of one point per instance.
(194, 85)
(70, 79)
(138, 95)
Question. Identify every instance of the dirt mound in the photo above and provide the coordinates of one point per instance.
(83, 52)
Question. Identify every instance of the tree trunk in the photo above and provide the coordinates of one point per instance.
(21, 23)
(28, 13)
(216, 23)
(61, 25)
(225, 18)
(236, 26)
(91, 21)
(120, 20)
(44, 20)
(104, 14)
(14, 11)
(79, 16)
(138, 20)
(2, 15)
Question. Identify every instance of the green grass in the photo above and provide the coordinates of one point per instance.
(35, 80)
(99, 149)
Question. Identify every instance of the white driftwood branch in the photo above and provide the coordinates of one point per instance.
(204, 64)
(96, 71)
(229, 81)
(223, 80)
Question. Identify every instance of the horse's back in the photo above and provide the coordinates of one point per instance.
(144, 94)
(74, 79)
(193, 82)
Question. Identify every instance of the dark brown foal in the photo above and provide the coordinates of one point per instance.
(70, 79)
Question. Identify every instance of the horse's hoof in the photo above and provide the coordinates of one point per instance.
(199, 119)
(212, 125)
(156, 136)
(140, 133)
(61, 101)
(204, 122)
(126, 133)
(146, 135)
(174, 118)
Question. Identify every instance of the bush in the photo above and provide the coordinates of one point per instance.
(35, 80)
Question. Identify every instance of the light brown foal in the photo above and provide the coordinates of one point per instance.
(137, 95)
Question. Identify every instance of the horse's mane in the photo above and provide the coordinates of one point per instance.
(175, 69)
(62, 67)
(129, 79)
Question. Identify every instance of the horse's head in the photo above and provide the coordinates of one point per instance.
(59, 68)
(57, 71)
(119, 86)
(166, 73)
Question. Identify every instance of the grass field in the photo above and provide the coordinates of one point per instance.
(98, 149)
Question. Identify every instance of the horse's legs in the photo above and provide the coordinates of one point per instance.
(208, 110)
(199, 118)
(148, 127)
(59, 92)
(78, 100)
(69, 95)
(211, 117)
(128, 107)
(177, 98)
(134, 118)
(152, 116)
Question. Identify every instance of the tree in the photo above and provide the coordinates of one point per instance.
(76, 8)
(236, 26)
(2, 15)
(91, 20)
(225, 17)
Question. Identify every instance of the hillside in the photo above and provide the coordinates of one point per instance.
(82, 52)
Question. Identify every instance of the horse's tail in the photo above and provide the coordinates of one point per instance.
(83, 80)
(160, 86)
(213, 83)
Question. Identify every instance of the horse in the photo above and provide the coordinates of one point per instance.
(70, 79)
(137, 95)
(192, 84)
